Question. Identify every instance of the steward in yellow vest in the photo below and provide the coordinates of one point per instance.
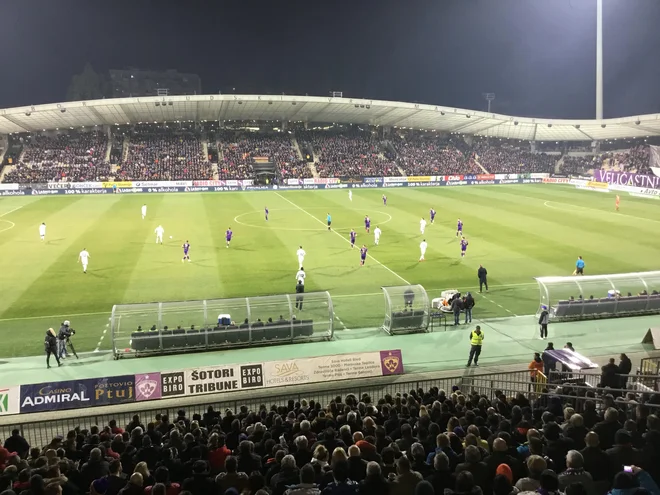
(476, 340)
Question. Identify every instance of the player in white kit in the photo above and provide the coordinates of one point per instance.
(42, 231)
(301, 256)
(350, 195)
(83, 258)
(159, 234)
(300, 276)
(144, 211)
(422, 249)
(422, 226)
(377, 233)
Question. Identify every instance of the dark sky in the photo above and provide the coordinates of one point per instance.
(537, 56)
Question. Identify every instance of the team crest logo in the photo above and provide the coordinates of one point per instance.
(391, 362)
(147, 387)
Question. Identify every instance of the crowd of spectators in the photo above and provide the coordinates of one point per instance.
(499, 157)
(164, 154)
(580, 165)
(352, 153)
(420, 155)
(424, 442)
(635, 159)
(71, 157)
(239, 151)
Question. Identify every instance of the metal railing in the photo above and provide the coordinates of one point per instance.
(490, 385)
(649, 373)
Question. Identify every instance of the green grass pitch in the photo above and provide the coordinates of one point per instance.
(517, 232)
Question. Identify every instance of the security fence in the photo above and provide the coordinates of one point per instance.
(510, 384)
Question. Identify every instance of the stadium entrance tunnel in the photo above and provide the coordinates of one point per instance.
(407, 309)
(600, 296)
(189, 326)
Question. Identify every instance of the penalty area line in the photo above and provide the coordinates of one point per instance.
(11, 211)
(344, 239)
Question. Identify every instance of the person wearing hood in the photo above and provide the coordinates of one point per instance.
(50, 347)
(535, 367)
(630, 483)
(468, 304)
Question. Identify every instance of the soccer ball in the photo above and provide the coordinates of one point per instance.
(170, 237)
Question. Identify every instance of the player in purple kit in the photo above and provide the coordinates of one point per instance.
(432, 214)
(266, 212)
(228, 235)
(186, 248)
(459, 228)
(367, 223)
(464, 245)
(353, 236)
(363, 254)
(384, 200)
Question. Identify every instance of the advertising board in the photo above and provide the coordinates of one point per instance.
(627, 179)
(148, 386)
(10, 400)
(71, 394)
(212, 379)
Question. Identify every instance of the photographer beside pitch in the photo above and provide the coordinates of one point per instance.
(62, 339)
(51, 347)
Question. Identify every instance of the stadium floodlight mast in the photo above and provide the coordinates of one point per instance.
(489, 97)
(599, 59)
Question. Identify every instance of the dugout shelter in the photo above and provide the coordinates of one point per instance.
(600, 296)
(407, 309)
(183, 326)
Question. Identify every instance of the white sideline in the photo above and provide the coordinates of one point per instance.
(11, 211)
(344, 239)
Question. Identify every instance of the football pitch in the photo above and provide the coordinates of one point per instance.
(517, 232)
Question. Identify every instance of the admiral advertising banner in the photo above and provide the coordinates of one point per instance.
(72, 394)
(9, 400)
(627, 179)
(332, 368)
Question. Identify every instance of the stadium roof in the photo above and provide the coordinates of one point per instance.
(314, 109)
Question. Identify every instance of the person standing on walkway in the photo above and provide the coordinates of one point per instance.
(543, 322)
(476, 340)
(482, 273)
(468, 304)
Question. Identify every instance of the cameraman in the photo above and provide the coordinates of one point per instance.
(63, 337)
(51, 344)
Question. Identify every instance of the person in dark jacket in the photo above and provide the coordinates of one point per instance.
(549, 363)
(95, 468)
(468, 304)
(456, 308)
(342, 484)
(476, 467)
(609, 376)
(115, 479)
(465, 485)
(544, 318)
(16, 443)
(441, 478)
(134, 486)
(482, 274)
(625, 366)
(374, 483)
(50, 347)
(623, 453)
(199, 483)
(596, 461)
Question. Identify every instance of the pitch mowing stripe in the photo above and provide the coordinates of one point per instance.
(12, 211)
(344, 239)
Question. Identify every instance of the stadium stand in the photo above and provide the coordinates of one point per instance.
(499, 157)
(580, 165)
(239, 150)
(565, 438)
(351, 153)
(71, 157)
(420, 155)
(164, 154)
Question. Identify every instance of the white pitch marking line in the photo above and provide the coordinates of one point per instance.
(343, 327)
(499, 305)
(11, 211)
(527, 284)
(344, 239)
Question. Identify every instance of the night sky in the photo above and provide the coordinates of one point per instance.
(537, 56)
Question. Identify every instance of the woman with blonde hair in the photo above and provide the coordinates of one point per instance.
(320, 456)
(143, 469)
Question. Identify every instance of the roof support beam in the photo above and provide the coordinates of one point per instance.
(398, 124)
(467, 124)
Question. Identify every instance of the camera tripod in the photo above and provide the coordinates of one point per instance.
(69, 346)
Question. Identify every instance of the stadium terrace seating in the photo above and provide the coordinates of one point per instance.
(499, 157)
(71, 157)
(568, 437)
(435, 156)
(239, 149)
(580, 165)
(164, 154)
(635, 159)
(348, 154)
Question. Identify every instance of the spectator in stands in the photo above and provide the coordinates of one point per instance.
(575, 473)
(441, 478)
(374, 482)
(341, 484)
(536, 465)
(16, 443)
(95, 468)
(307, 485)
(134, 486)
(623, 453)
(231, 478)
(607, 428)
(465, 485)
(116, 480)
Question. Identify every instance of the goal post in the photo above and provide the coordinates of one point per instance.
(407, 309)
(600, 296)
(180, 326)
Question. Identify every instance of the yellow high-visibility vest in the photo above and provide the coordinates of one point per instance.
(476, 339)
